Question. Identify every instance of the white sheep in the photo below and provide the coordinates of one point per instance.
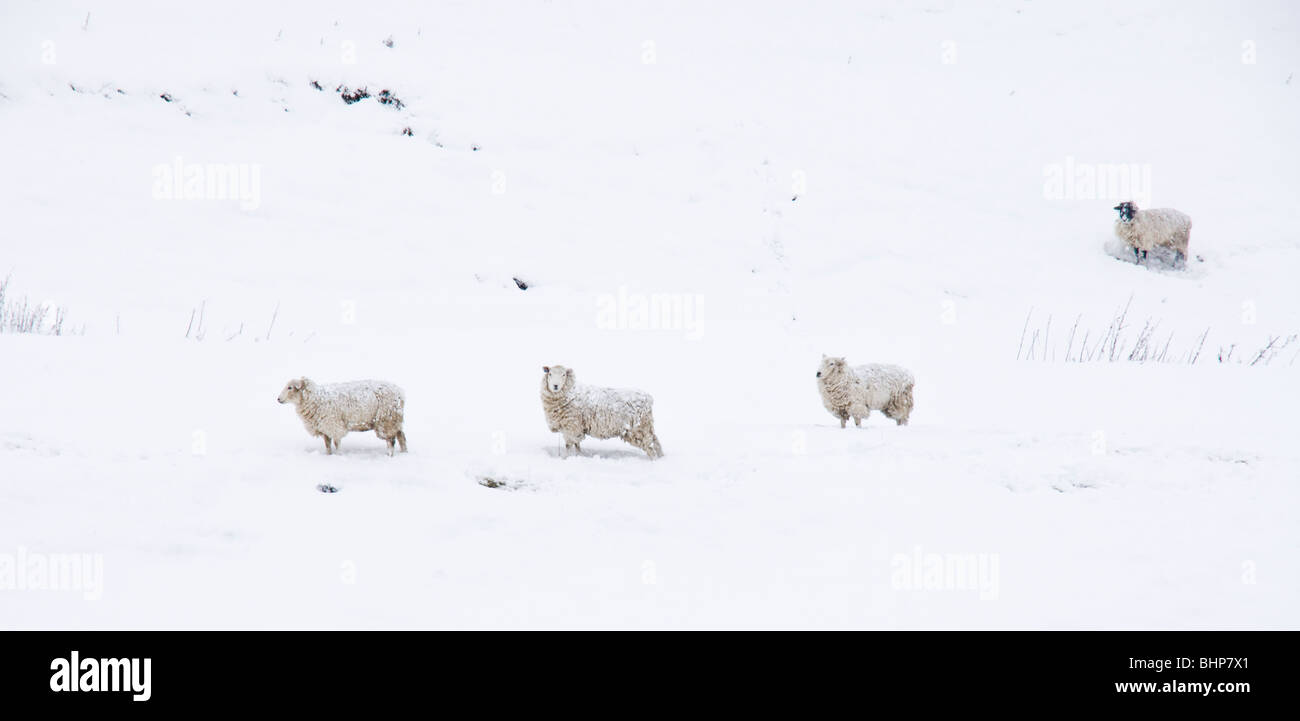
(859, 390)
(332, 410)
(577, 411)
(1145, 230)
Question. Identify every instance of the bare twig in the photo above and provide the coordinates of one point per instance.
(1115, 349)
(1022, 333)
(1116, 344)
(273, 316)
(1263, 351)
(1165, 351)
(1047, 334)
(1070, 344)
(21, 316)
(1196, 356)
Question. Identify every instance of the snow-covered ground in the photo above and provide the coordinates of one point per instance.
(887, 181)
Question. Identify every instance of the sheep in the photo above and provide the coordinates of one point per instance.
(859, 390)
(1145, 230)
(577, 411)
(332, 410)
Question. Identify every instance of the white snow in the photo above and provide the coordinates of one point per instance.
(778, 181)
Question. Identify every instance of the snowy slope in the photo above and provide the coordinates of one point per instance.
(862, 179)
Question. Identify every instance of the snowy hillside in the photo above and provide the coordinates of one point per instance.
(701, 202)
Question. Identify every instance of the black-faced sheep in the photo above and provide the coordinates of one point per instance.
(577, 411)
(856, 391)
(332, 410)
(1145, 230)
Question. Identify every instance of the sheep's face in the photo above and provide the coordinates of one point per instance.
(557, 379)
(292, 392)
(1127, 210)
(831, 367)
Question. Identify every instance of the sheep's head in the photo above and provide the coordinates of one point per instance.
(1127, 210)
(292, 392)
(831, 367)
(558, 379)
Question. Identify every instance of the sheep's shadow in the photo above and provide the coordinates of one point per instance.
(872, 422)
(1161, 260)
(604, 453)
(353, 452)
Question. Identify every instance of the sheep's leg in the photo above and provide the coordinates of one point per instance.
(903, 407)
(655, 450)
(648, 446)
(571, 444)
(844, 419)
(1144, 256)
(401, 439)
(645, 439)
(859, 412)
(1137, 258)
(328, 452)
(900, 411)
(389, 438)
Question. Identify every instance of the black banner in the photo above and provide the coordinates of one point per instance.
(924, 671)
